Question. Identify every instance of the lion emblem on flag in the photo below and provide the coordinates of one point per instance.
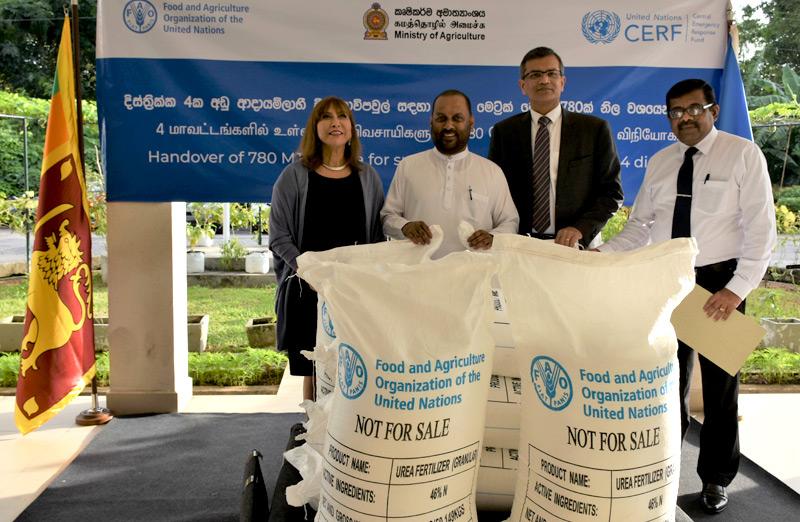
(63, 255)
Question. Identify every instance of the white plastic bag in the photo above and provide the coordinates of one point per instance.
(600, 427)
(503, 412)
(414, 361)
(402, 252)
(497, 477)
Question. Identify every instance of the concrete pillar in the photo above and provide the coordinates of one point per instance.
(147, 308)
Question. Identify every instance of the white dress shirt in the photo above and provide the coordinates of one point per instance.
(554, 127)
(444, 190)
(732, 211)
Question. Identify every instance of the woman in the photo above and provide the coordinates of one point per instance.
(325, 200)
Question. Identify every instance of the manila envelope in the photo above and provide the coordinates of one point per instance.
(726, 343)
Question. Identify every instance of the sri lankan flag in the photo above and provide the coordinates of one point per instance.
(57, 351)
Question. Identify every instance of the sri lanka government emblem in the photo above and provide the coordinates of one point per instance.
(551, 382)
(375, 22)
(139, 16)
(601, 26)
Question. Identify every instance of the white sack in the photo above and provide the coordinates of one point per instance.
(497, 477)
(501, 437)
(505, 359)
(404, 433)
(600, 427)
(402, 252)
(324, 356)
(503, 404)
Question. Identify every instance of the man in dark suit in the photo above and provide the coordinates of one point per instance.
(562, 167)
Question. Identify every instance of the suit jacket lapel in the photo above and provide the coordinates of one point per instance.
(566, 152)
(525, 144)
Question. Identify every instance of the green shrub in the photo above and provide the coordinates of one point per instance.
(772, 366)
(9, 368)
(792, 203)
(785, 220)
(789, 192)
(615, 225)
(231, 252)
(248, 368)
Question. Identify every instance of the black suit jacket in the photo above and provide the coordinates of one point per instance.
(588, 188)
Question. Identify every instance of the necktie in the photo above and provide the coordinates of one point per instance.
(541, 177)
(681, 217)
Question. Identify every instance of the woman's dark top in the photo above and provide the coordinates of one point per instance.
(335, 213)
(335, 217)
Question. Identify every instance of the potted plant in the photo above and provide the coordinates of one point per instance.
(232, 255)
(207, 216)
(781, 330)
(195, 259)
(260, 262)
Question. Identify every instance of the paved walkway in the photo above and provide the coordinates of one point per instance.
(12, 247)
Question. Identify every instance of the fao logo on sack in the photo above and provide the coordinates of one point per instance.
(327, 323)
(551, 382)
(139, 15)
(352, 372)
(601, 26)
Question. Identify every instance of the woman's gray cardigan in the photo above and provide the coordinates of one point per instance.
(287, 215)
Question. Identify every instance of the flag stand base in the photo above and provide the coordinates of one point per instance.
(93, 417)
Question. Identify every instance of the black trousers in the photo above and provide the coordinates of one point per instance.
(718, 462)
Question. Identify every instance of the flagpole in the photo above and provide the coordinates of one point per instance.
(95, 415)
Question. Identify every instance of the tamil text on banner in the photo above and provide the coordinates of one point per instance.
(203, 101)
(57, 351)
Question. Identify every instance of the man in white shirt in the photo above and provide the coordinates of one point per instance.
(715, 187)
(449, 184)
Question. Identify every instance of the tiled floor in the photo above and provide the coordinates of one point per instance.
(769, 429)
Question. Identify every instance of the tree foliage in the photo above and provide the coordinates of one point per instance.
(12, 141)
(774, 44)
(781, 35)
(29, 34)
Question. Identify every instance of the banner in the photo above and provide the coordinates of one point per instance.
(207, 101)
(57, 350)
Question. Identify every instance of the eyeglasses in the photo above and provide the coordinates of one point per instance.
(693, 110)
(553, 74)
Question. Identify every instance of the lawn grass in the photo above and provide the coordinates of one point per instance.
(230, 308)
(773, 302)
(228, 361)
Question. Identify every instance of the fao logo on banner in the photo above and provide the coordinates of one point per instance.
(551, 382)
(139, 15)
(352, 372)
(327, 323)
(601, 26)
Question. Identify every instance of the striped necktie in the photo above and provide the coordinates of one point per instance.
(541, 177)
(682, 215)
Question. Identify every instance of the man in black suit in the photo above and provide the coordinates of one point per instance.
(562, 167)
